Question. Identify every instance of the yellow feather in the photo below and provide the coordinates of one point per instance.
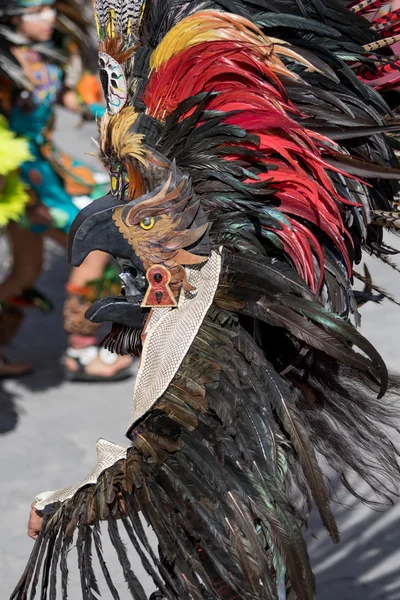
(121, 126)
(205, 26)
(212, 26)
(115, 136)
(111, 24)
(96, 18)
(139, 21)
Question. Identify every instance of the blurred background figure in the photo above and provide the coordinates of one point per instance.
(47, 56)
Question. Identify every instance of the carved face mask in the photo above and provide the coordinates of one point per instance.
(113, 82)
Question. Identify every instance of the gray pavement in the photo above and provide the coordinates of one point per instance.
(48, 431)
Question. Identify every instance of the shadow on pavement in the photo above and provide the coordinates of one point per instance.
(365, 565)
(9, 413)
(41, 340)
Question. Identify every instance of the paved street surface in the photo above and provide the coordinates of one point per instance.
(48, 431)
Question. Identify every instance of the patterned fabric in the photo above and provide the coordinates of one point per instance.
(107, 455)
(170, 333)
(53, 176)
(46, 77)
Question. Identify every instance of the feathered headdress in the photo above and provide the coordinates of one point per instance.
(259, 82)
(117, 26)
(119, 19)
(250, 167)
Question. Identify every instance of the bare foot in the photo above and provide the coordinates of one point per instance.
(96, 364)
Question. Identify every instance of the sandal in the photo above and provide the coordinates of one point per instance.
(107, 361)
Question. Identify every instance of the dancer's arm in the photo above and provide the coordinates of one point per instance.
(35, 522)
(89, 111)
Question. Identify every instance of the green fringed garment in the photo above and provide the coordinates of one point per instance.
(13, 194)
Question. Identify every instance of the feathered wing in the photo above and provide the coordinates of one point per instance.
(224, 468)
(261, 107)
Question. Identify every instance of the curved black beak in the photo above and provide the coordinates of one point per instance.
(122, 310)
(94, 229)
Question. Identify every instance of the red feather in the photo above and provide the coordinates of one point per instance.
(254, 99)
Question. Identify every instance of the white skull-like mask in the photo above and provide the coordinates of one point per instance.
(114, 83)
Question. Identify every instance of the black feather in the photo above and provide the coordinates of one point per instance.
(99, 552)
(134, 586)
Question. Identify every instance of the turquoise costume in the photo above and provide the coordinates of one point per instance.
(30, 114)
(38, 174)
(31, 3)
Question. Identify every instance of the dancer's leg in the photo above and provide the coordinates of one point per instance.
(26, 249)
(83, 359)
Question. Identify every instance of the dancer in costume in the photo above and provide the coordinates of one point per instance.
(36, 74)
(13, 200)
(248, 174)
